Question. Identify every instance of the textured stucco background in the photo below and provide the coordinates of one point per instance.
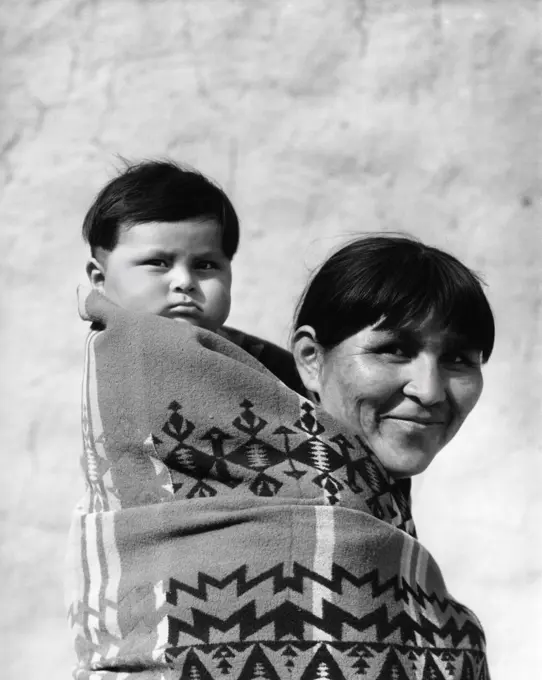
(321, 119)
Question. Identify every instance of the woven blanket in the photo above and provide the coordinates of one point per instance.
(231, 529)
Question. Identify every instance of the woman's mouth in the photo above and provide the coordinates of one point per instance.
(415, 423)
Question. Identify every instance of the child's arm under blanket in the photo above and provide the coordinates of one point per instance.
(276, 359)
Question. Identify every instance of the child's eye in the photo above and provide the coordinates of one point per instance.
(395, 349)
(156, 262)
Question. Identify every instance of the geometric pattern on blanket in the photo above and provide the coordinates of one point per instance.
(199, 465)
(290, 619)
(273, 463)
(256, 542)
(389, 642)
(381, 645)
(329, 660)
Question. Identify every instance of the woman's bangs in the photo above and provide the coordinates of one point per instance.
(404, 299)
(453, 299)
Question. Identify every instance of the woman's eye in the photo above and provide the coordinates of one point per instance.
(206, 265)
(462, 358)
(467, 360)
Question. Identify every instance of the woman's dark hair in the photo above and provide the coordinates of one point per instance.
(400, 282)
(158, 191)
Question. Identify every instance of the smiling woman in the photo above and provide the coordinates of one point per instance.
(390, 337)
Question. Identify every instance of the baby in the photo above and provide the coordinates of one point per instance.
(162, 239)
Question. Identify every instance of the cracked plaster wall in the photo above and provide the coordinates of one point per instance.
(320, 119)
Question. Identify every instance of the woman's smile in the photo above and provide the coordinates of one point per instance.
(416, 424)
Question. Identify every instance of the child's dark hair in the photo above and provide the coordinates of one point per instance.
(395, 282)
(158, 191)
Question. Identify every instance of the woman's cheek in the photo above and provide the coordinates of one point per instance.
(466, 391)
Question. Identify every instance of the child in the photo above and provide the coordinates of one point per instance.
(162, 239)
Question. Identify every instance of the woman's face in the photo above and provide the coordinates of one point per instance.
(405, 393)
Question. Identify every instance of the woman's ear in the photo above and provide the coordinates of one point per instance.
(308, 356)
(96, 274)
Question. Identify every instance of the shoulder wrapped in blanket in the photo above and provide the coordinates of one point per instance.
(232, 529)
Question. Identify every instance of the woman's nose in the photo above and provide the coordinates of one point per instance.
(181, 279)
(425, 381)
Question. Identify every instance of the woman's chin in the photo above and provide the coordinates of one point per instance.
(403, 462)
(407, 449)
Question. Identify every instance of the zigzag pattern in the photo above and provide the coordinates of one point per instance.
(289, 619)
(399, 588)
(292, 617)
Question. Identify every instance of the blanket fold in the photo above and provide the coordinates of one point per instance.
(231, 528)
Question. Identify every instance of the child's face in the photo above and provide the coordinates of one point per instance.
(173, 269)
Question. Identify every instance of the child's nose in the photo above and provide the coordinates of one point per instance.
(181, 279)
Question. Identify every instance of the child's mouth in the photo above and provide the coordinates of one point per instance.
(182, 311)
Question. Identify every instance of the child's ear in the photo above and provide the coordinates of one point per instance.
(96, 273)
(308, 356)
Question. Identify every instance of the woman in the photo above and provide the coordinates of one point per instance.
(235, 528)
(390, 338)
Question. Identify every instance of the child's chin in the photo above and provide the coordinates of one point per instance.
(183, 319)
(197, 323)
(192, 321)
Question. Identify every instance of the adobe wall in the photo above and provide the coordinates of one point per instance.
(321, 119)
